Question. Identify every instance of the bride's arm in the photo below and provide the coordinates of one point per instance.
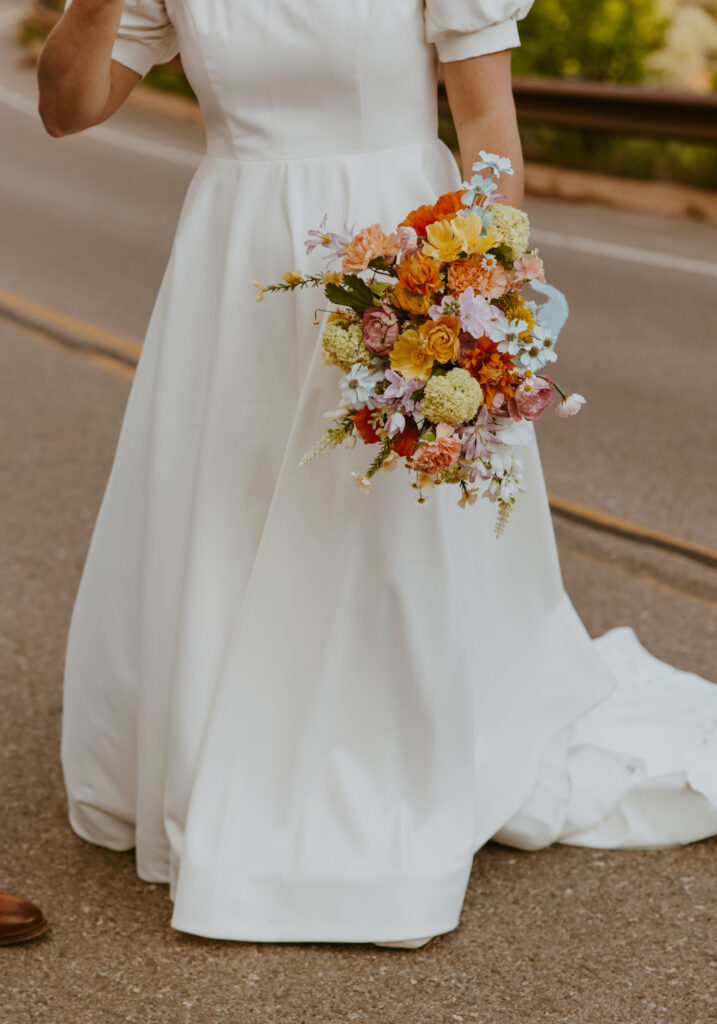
(481, 101)
(80, 84)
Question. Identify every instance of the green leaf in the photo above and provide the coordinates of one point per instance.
(342, 296)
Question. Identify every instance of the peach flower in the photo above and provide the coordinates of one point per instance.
(368, 245)
(437, 456)
(489, 281)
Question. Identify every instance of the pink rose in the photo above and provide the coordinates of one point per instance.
(379, 329)
(407, 241)
(533, 397)
(570, 406)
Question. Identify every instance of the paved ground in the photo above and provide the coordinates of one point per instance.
(566, 935)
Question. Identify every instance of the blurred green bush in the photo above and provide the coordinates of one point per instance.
(604, 40)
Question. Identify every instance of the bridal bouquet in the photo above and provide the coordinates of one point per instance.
(443, 360)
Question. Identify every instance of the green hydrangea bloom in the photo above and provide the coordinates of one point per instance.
(453, 397)
(343, 345)
(510, 226)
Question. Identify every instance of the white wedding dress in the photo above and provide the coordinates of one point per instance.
(307, 708)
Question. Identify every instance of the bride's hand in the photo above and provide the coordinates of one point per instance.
(80, 85)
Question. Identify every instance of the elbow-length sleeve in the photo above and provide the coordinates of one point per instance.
(469, 28)
(145, 37)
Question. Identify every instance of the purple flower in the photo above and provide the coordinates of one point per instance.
(476, 313)
(399, 391)
(448, 306)
(334, 243)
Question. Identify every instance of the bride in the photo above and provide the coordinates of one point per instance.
(304, 708)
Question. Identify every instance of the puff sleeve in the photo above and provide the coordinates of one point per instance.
(469, 28)
(146, 36)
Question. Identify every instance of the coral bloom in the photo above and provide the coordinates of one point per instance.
(409, 357)
(362, 422)
(489, 281)
(405, 443)
(437, 456)
(368, 245)
(440, 337)
(446, 205)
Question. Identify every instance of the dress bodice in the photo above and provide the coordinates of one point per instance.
(286, 79)
(307, 78)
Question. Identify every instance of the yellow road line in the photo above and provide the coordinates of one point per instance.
(67, 328)
(119, 354)
(633, 531)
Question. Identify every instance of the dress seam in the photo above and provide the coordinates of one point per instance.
(231, 158)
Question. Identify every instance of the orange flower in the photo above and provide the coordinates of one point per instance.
(494, 371)
(419, 274)
(362, 422)
(490, 282)
(410, 301)
(437, 456)
(418, 279)
(440, 337)
(368, 244)
(446, 205)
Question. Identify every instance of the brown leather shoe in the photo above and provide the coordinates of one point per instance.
(19, 920)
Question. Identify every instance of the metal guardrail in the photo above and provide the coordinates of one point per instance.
(621, 109)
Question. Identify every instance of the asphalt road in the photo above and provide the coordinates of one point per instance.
(565, 936)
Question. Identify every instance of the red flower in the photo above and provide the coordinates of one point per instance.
(364, 426)
(405, 443)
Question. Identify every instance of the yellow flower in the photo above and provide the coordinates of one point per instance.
(258, 290)
(453, 398)
(510, 226)
(409, 358)
(440, 337)
(332, 278)
(468, 230)
(292, 277)
(445, 243)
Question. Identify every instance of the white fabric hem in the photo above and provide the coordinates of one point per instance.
(462, 45)
(134, 55)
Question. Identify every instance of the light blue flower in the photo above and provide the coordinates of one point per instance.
(539, 350)
(478, 186)
(497, 164)
(359, 385)
(507, 334)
